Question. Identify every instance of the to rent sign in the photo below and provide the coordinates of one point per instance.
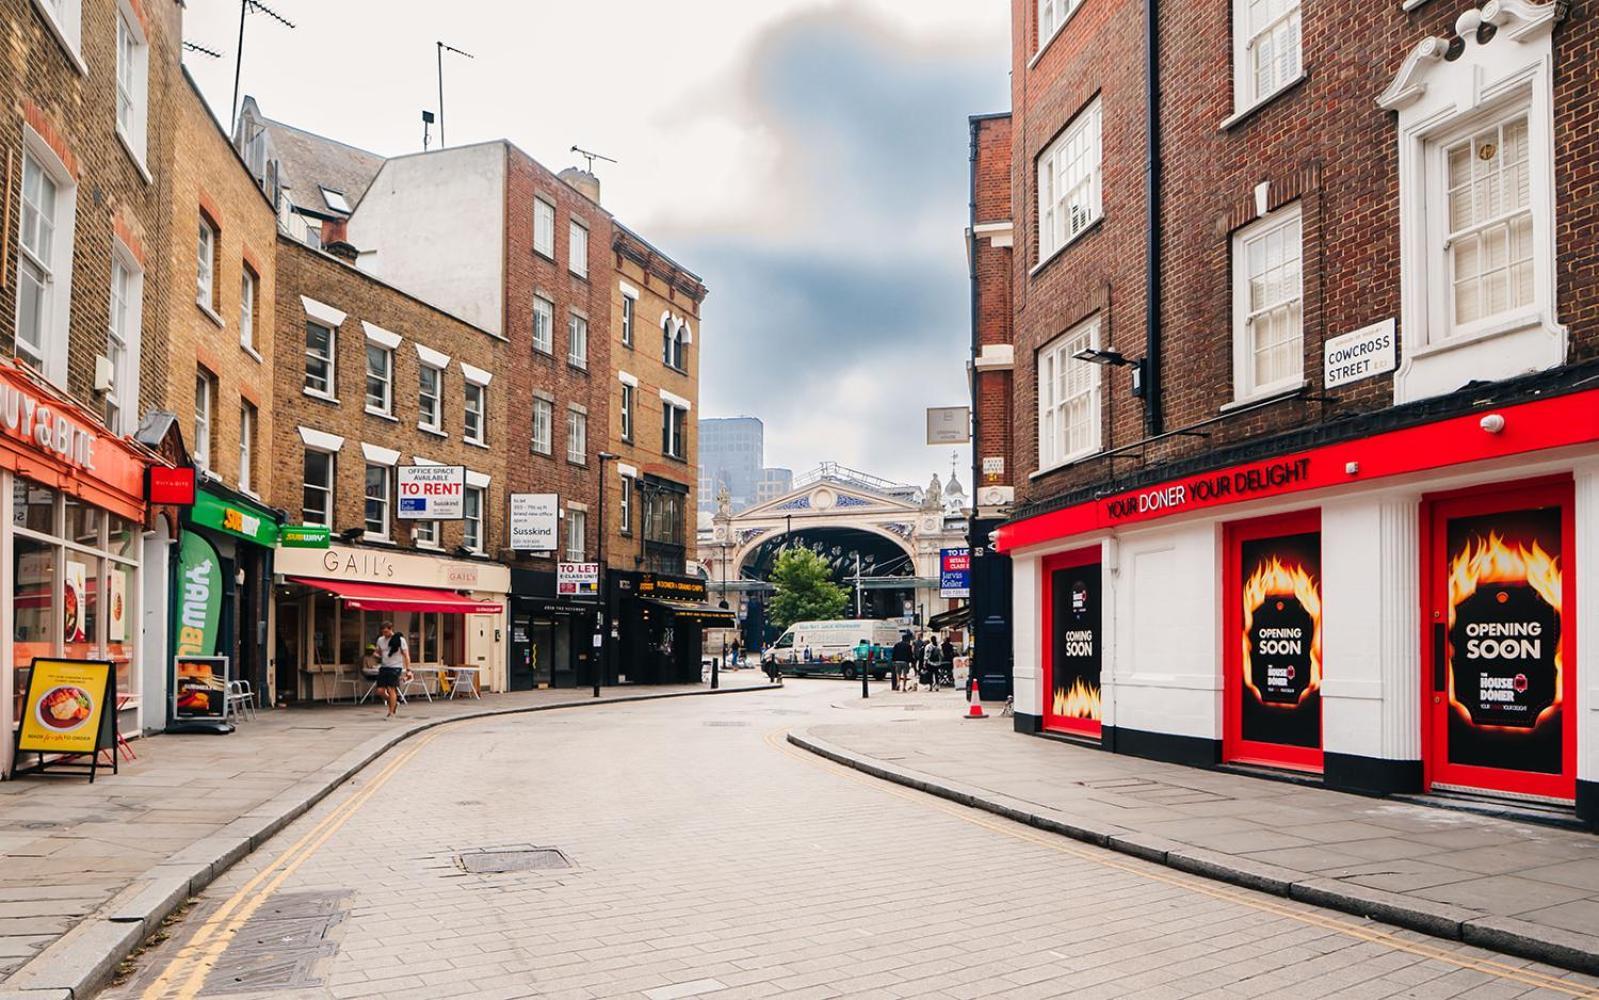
(432, 492)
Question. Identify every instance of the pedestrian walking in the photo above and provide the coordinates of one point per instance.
(394, 660)
(934, 665)
(902, 656)
(947, 648)
(733, 658)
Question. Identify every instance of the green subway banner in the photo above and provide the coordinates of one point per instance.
(198, 589)
(304, 536)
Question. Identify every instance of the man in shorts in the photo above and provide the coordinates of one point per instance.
(394, 659)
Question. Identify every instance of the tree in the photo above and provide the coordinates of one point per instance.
(805, 590)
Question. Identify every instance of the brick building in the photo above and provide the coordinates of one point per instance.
(1364, 381)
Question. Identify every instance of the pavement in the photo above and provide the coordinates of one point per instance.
(1518, 888)
(86, 871)
(701, 855)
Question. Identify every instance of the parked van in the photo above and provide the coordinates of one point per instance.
(821, 648)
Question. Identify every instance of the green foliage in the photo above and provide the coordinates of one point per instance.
(805, 590)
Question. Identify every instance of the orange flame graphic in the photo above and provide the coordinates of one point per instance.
(1080, 701)
(1491, 561)
(1274, 579)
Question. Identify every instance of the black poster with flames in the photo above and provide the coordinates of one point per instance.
(1076, 656)
(1504, 675)
(1281, 590)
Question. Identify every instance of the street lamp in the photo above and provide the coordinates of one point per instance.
(605, 582)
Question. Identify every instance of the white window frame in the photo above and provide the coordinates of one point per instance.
(330, 359)
(577, 248)
(543, 332)
(205, 403)
(629, 398)
(674, 431)
(249, 420)
(431, 418)
(1055, 358)
(1070, 175)
(65, 20)
(629, 317)
(123, 340)
(1245, 386)
(208, 238)
(328, 196)
(625, 506)
(475, 404)
(132, 84)
(576, 528)
(387, 500)
(1052, 16)
(249, 286)
(54, 266)
(425, 534)
(326, 489)
(577, 436)
(577, 341)
(543, 420)
(1287, 24)
(385, 379)
(472, 526)
(544, 228)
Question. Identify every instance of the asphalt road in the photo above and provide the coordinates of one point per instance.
(700, 855)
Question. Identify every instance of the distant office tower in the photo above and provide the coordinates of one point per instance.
(773, 484)
(732, 452)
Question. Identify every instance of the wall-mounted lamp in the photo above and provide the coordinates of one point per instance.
(1115, 359)
(1493, 423)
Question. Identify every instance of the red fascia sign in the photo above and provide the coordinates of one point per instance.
(1557, 422)
(172, 486)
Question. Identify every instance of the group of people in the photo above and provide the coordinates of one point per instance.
(932, 659)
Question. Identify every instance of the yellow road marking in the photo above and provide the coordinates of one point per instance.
(778, 740)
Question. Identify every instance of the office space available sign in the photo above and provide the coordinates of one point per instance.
(432, 492)
(955, 572)
(535, 522)
(1280, 593)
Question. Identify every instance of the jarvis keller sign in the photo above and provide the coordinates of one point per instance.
(1203, 491)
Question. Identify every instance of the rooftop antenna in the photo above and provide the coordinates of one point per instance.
(194, 47)
(427, 120)
(591, 157)
(247, 7)
(442, 48)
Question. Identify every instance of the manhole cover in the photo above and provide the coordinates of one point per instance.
(495, 862)
(286, 945)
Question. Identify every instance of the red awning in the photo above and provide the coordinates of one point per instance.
(385, 597)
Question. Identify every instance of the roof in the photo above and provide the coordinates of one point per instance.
(308, 162)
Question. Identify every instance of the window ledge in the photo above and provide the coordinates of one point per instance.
(576, 367)
(1060, 29)
(138, 161)
(252, 352)
(382, 415)
(1062, 248)
(1066, 462)
(1267, 396)
(1410, 5)
(429, 546)
(475, 444)
(211, 314)
(372, 539)
(425, 429)
(1238, 116)
(322, 396)
(546, 452)
(1526, 320)
(581, 276)
(550, 256)
(572, 461)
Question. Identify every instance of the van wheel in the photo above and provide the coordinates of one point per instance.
(849, 673)
(879, 675)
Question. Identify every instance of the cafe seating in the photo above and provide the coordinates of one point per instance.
(239, 701)
(463, 682)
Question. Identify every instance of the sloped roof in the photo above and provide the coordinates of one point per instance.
(309, 162)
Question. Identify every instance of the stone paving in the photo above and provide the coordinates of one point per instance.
(709, 858)
(68, 847)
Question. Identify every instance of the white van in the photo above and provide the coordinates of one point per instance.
(829, 647)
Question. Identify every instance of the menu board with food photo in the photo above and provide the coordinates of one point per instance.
(201, 689)
(66, 708)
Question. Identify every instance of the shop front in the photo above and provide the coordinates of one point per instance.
(330, 604)
(1394, 613)
(552, 635)
(661, 621)
(71, 531)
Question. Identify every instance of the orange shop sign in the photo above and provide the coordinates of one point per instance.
(84, 458)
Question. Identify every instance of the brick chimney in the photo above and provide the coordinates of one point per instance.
(583, 181)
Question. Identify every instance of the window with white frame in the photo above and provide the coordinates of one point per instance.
(247, 425)
(674, 430)
(377, 501)
(1266, 49)
(1068, 397)
(577, 249)
(316, 505)
(1488, 240)
(122, 342)
(379, 379)
(629, 307)
(206, 263)
(205, 398)
(543, 421)
(475, 412)
(1268, 305)
(577, 341)
(1051, 15)
(544, 227)
(425, 534)
(319, 358)
(44, 261)
(543, 325)
(472, 518)
(625, 506)
(576, 528)
(247, 288)
(430, 399)
(577, 437)
(628, 393)
(1069, 183)
(133, 55)
(336, 200)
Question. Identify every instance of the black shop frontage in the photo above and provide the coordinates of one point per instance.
(552, 637)
(658, 627)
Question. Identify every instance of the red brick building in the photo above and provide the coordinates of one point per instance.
(1365, 380)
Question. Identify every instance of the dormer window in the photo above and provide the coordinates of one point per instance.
(335, 200)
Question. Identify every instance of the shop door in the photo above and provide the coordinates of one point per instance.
(521, 666)
(1073, 641)
(1500, 652)
(1272, 642)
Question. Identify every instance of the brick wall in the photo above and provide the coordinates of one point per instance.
(991, 136)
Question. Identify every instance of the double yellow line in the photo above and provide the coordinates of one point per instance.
(778, 740)
(195, 960)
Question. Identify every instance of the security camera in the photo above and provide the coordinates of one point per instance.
(1493, 423)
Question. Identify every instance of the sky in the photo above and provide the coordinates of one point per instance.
(807, 159)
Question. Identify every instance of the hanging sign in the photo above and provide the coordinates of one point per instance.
(535, 522)
(305, 536)
(949, 424)
(955, 572)
(432, 492)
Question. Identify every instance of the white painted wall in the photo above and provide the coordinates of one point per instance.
(153, 607)
(1026, 631)
(1587, 619)
(433, 224)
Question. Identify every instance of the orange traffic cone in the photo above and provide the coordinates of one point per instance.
(975, 711)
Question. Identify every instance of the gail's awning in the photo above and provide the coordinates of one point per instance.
(387, 597)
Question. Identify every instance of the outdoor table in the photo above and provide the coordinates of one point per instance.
(465, 677)
(427, 677)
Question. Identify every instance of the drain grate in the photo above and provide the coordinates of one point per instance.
(286, 945)
(498, 862)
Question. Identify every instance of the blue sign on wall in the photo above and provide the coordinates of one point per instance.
(955, 572)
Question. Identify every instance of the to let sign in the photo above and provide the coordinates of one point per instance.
(432, 492)
(1366, 352)
(577, 579)
(955, 573)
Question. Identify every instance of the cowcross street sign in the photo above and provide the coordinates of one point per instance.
(432, 492)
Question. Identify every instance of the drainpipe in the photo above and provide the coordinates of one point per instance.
(971, 269)
(1152, 409)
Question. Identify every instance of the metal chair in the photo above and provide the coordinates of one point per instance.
(239, 701)
(340, 676)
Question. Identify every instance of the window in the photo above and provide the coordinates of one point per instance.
(132, 70)
(1068, 397)
(316, 507)
(577, 341)
(377, 501)
(577, 249)
(543, 418)
(379, 379)
(336, 200)
(673, 336)
(247, 422)
(425, 534)
(666, 340)
(1266, 49)
(472, 518)
(206, 259)
(674, 423)
(1489, 241)
(629, 306)
(577, 436)
(1051, 15)
(543, 324)
(544, 227)
(663, 515)
(430, 399)
(1068, 183)
(476, 414)
(44, 262)
(122, 342)
(625, 507)
(627, 411)
(576, 528)
(247, 286)
(65, 18)
(319, 359)
(1268, 314)
(205, 397)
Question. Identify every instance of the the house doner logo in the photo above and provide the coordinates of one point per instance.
(1504, 632)
(1282, 633)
